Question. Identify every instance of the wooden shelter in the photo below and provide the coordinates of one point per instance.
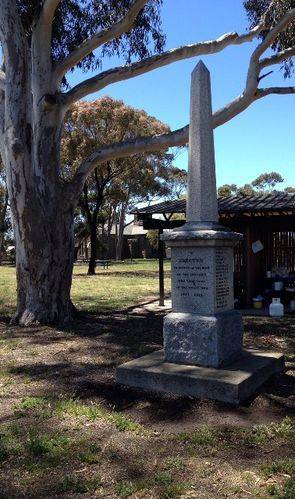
(267, 222)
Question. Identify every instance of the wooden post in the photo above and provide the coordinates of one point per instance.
(161, 267)
(249, 266)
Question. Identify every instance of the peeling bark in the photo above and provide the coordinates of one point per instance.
(43, 229)
(45, 252)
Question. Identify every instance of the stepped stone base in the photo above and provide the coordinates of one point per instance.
(232, 384)
(210, 341)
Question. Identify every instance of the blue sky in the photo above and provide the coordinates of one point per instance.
(260, 139)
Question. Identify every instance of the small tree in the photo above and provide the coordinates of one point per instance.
(226, 190)
(160, 180)
(246, 190)
(176, 182)
(267, 181)
(90, 125)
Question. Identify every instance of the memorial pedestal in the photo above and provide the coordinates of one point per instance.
(203, 328)
(203, 355)
(203, 335)
(203, 340)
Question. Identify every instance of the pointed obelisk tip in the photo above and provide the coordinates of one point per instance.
(201, 68)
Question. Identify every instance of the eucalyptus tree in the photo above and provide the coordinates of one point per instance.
(265, 183)
(89, 125)
(150, 179)
(42, 40)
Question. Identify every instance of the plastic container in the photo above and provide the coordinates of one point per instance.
(278, 285)
(276, 308)
(257, 302)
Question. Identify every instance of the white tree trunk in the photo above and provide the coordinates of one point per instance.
(44, 266)
(43, 228)
(41, 211)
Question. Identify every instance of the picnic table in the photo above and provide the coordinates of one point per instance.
(102, 263)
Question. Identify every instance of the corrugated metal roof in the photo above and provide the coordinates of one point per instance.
(279, 201)
(133, 229)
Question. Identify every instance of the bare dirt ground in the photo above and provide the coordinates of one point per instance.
(67, 429)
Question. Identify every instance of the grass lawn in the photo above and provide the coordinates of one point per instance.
(119, 286)
(67, 430)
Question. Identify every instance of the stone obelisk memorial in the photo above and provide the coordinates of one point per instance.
(203, 352)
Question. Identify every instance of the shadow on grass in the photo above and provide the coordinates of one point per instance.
(80, 362)
(105, 341)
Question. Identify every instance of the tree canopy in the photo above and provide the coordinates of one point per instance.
(264, 183)
(275, 9)
(113, 186)
(77, 20)
(267, 181)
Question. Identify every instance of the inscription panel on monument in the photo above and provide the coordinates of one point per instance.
(224, 279)
(192, 272)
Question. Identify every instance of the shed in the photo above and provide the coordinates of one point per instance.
(267, 222)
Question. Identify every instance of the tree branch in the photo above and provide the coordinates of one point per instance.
(255, 65)
(251, 92)
(41, 39)
(100, 38)
(262, 92)
(274, 32)
(124, 149)
(277, 58)
(150, 63)
(158, 142)
(179, 137)
(15, 54)
(150, 144)
(265, 75)
(49, 8)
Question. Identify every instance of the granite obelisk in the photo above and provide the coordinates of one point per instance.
(201, 195)
(203, 328)
(203, 355)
